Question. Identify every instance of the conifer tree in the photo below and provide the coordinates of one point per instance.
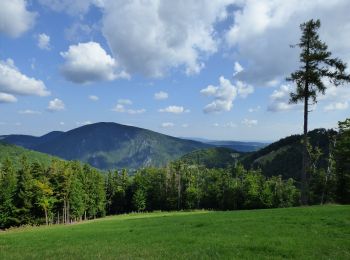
(317, 65)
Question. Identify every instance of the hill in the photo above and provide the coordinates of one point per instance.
(320, 232)
(215, 157)
(110, 145)
(284, 157)
(234, 145)
(15, 153)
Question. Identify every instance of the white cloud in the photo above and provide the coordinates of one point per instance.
(237, 68)
(167, 125)
(12, 81)
(250, 122)
(161, 95)
(15, 19)
(174, 110)
(151, 37)
(336, 106)
(225, 94)
(254, 109)
(279, 99)
(244, 89)
(185, 125)
(262, 32)
(61, 123)
(93, 98)
(89, 62)
(124, 101)
(29, 112)
(7, 98)
(44, 41)
(120, 108)
(56, 105)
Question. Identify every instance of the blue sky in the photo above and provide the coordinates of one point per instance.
(209, 69)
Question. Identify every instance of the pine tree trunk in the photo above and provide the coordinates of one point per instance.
(305, 163)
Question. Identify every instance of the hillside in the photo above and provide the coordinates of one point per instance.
(110, 145)
(284, 157)
(297, 233)
(216, 157)
(15, 153)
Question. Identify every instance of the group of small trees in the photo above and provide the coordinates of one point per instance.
(61, 193)
(179, 186)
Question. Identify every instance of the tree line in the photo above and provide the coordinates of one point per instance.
(66, 192)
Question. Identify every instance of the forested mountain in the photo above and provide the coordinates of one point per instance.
(216, 157)
(16, 153)
(110, 145)
(284, 157)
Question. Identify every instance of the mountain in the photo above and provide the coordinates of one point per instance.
(215, 157)
(238, 146)
(15, 153)
(110, 145)
(284, 157)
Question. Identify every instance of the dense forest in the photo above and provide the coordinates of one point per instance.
(65, 192)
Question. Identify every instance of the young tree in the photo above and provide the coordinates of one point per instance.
(317, 65)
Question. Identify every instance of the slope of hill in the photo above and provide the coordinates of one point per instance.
(286, 233)
(216, 157)
(111, 145)
(15, 153)
(284, 157)
(238, 146)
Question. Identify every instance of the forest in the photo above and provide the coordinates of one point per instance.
(32, 193)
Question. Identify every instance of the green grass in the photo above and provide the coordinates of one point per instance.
(321, 232)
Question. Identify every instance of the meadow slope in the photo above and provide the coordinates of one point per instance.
(319, 232)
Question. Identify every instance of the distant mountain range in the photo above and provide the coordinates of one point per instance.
(111, 145)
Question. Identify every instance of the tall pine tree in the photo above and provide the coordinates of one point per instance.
(316, 66)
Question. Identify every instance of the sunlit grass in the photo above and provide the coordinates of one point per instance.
(309, 232)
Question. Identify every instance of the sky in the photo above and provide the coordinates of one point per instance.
(187, 68)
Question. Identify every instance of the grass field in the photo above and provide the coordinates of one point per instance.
(321, 232)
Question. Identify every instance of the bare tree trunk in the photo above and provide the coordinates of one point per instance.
(305, 163)
(68, 215)
(58, 217)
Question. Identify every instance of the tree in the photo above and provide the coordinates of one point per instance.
(342, 161)
(139, 200)
(317, 65)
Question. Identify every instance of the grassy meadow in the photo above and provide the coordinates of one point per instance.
(318, 232)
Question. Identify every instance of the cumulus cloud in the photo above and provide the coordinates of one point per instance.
(56, 105)
(29, 112)
(237, 68)
(250, 122)
(254, 109)
(93, 98)
(89, 62)
(44, 41)
(174, 110)
(262, 32)
(167, 125)
(12, 81)
(336, 106)
(279, 99)
(151, 37)
(124, 101)
(7, 98)
(15, 19)
(161, 95)
(225, 94)
(120, 107)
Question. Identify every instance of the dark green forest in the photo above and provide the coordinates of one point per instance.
(56, 191)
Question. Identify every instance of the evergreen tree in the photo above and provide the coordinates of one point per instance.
(317, 65)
